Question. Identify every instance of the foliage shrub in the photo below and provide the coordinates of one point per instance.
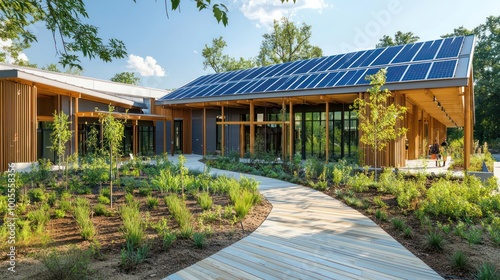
(434, 241)
(181, 214)
(105, 192)
(381, 215)
(101, 210)
(474, 235)
(409, 196)
(399, 224)
(360, 182)
(103, 200)
(456, 199)
(459, 260)
(131, 256)
(494, 231)
(168, 239)
(39, 218)
(134, 227)
(204, 200)
(59, 214)
(152, 202)
(73, 264)
(95, 171)
(390, 182)
(145, 191)
(65, 205)
(82, 214)
(379, 202)
(165, 181)
(200, 240)
(487, 271)
(37, 195)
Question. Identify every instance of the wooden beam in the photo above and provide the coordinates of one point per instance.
(291, 132)
(327, 142)
(204, 131)
(252, 128)
(223, 131)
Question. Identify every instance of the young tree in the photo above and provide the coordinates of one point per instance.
(400, 38)
(219, 62)
(113, 133)
(377, 116)
(126, 78)
(287, 42)
(60, 135)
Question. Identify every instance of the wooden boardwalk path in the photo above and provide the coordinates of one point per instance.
(309, 235)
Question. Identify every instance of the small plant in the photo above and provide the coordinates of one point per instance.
(133, 225)
(59, 214)
(37, 195)
(82, 215)
(487, 271)
(434, 241)
(460, 229)
(168, 239)
(474, 235)
(101, 210)
(129, 198)
(145, 191)
(205, 200)
(399, 224)
(103, 200)
(39, 219)
(407, 232)
(72, 264)
(65, 205)
(445, 228)
(132, 256)
(379, 202)
(152, 202)
(381, 215)
(200, 240)
(459, 260)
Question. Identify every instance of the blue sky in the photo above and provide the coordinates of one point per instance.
(166, 51)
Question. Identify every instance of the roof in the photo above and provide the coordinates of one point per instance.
(432, 64)
(103, 86)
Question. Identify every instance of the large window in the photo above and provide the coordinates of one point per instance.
(146, 140)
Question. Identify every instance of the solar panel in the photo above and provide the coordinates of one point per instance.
(417, 72)
(413, 62)
(428, 50)
(442, 69)
(450, 48)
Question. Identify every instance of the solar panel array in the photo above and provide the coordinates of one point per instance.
(413, 62)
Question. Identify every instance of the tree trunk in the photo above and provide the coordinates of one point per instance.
(111, 175)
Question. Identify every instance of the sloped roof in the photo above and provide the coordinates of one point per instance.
(432, 64)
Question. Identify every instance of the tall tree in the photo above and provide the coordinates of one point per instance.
(126, 78)
(54, 68)
(486, 82)
(220, 62)
(287, 42)
(400, 38)
(113, 133)
(60, 136)
(377, 116)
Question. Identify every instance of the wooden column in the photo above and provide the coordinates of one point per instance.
(327, 130)
(252, 128)
(242, 140)
(135, 138)
(283, 129)
(204, 131)
(416, 132)
(291, 132)
(76, 125)
(467, 129)
(34, 121)
(223, 139)
(165, 135)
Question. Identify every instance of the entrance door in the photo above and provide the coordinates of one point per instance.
(178, 136)
(44, 144)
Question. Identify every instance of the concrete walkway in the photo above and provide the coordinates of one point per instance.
(308, 235)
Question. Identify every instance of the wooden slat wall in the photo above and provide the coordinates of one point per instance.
(17, 123)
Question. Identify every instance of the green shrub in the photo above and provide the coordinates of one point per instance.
(59, 214)
(399, 224)
(200, 240)
(72, 264)
(408, 196)
(152, 202)
(133, 225)
(168, 239)
(131, 256)
(445, 228)
(379, 202)
(81, 212)
(65, 205)
(103, 200)
(407, 232)
(39, 219)
(460, 229)
(487, 271)
(381, 215)
(354, 201)
(494, 231)
(360, 182)
(37, 195)
(145, 191)
(129, 199)
(474, 235)
(181, 214)
(106, 192)
(101, 210)
(52, 198)
(165, 181)
(389, 182)
(459, 260)
(204, 200)
(434, 241)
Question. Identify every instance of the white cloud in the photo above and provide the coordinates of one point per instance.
(145, 66)
(9, 59)
(195, 52)
(266, 11)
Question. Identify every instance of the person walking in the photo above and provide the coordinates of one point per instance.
(444, 151)
(435, 151)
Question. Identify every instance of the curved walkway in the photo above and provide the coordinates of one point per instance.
(308, 235)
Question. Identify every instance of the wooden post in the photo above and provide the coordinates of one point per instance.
(75, 125)
(252, 128)
(327, 142)
(467, 129)
(135, 138)
(165, 135)
(223, 139)
(34, 120)
(283, 129)
(204, 131)
(242, 140)
(172, 132)
(291, 132)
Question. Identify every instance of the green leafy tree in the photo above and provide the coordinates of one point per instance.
(486, 82)
(377, 116)
(60, 135)
(287, 42)
(400, 38)
(220, 62)
(113, 133)
(126, 78)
